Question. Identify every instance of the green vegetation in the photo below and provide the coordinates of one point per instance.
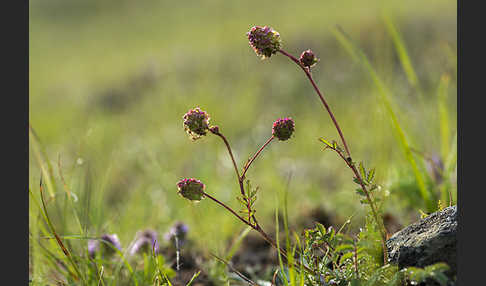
(111, 80)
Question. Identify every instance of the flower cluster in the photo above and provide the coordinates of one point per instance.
(196, 123)
(145, 242)
(283, 128)
(265, 41)
(308, 59)
(191, 189)
(95, 246)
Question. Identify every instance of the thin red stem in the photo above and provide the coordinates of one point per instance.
(348, 159)
(309, 75)
(229, 209)
(247, 166)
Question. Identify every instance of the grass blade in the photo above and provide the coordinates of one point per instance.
(357, 54)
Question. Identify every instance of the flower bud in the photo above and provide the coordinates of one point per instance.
(191, 189)
(214, 129)
(196, 123)
(308, 59)
(283, 128)
(265, 41)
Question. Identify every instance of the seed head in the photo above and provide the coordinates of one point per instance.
(283, 128)
(196, 123)
(191, 189)
(308, 59)
(145, 242)
(265, 41)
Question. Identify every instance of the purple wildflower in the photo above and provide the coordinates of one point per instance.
(265, 41)
(103, 246)
(191, 189)
(308, 59)
(145, 242)
(196, 123)
(283, 128)
(179, 230)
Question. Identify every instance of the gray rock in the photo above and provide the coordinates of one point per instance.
(428, 241)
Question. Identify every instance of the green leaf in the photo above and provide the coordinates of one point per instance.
(371, 175)
(360, 192)
(362, 170)
(326, 142)
(344, 248)
(322, 228)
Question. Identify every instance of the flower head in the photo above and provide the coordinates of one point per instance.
(145, 242)
(179, 230)
(191, 189)
(283, 128)
(196, 123)
(105, 246)
(308, 59)
(265, 41)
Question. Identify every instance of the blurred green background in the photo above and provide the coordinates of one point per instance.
(111, 80)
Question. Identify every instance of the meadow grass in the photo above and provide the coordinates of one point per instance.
(109, 84)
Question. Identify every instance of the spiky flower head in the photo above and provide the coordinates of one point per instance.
(196, 123)
(265, 41)
(145, 242)
(308, 59)
(179, 230)
(283, 128)
(105, 246)
(191, 189)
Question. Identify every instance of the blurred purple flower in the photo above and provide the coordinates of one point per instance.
(145, 242)
(283, 128)
(265, 41)
(179, 230)
(102, 246)
(191, 189)
(196, 123)
(308, 59)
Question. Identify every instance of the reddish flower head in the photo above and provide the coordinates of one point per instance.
(196, 123)
(265, 41)
(283, 128)
(308, 59)
(191, 189)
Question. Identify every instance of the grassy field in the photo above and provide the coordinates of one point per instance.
(111, 80)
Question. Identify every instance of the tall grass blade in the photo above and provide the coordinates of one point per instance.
(402, 53)
(357, 54)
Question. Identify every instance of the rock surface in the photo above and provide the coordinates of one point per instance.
(428, 241)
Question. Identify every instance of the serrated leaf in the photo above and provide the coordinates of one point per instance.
(362, 170)
(322, 228)
(326, 142)
(364, 201)
(360, 192)
(371, 175)
(357, 181)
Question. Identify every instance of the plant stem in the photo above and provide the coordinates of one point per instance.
(247, 166)
(348, 160)
(309, 75)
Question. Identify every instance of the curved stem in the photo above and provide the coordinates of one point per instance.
(247, 166)
(240, 182)
(348, 159)
(309, 76)
(229, 209)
